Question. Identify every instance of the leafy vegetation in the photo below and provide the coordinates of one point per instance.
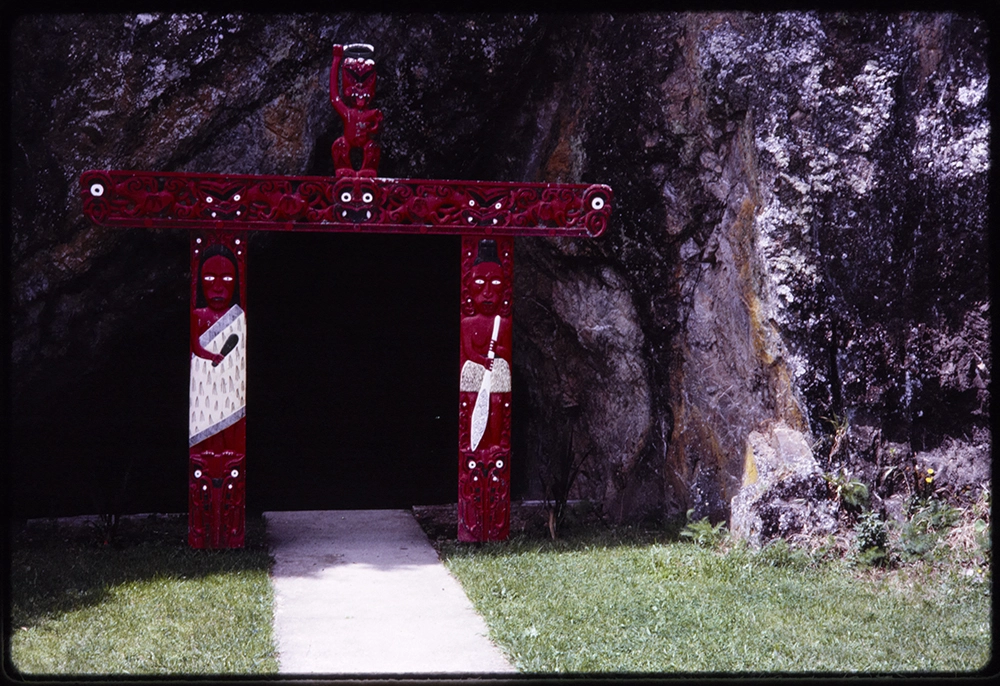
(704, 533)
(927, 520)
(142, 604)
(851, 493)
(921, 533)
(871, 539)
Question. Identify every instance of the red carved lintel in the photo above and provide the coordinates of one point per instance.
(349, 203)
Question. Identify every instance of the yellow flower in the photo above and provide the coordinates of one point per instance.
(930, 471)
(929, 479)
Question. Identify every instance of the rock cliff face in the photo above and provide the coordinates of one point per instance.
(799, 236)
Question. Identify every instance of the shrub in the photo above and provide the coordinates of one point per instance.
(871, 538)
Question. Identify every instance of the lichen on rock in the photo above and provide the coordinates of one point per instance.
(784, 494)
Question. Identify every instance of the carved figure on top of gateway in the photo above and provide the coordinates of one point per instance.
(352, 89)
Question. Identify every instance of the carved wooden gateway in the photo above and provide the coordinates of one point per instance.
(219, 210)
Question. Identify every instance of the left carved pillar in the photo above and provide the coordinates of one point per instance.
(218, 374)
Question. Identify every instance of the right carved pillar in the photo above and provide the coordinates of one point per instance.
(485, 389)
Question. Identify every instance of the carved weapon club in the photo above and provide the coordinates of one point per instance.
(228, 347)
(480, 413)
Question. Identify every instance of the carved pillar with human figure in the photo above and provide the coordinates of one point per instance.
(217, 398)
(485, 389)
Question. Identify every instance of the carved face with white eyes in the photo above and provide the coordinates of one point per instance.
(487, 287)
(485, 209)
(218, 281)
(355, 200)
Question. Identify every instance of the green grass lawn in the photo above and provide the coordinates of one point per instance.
(597, 600)
(146, 604)
(598, 603)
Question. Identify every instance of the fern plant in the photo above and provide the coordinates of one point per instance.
(703, 533)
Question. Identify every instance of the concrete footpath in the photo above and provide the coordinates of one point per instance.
(363, 592)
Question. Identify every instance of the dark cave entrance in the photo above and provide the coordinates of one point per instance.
(352, 371)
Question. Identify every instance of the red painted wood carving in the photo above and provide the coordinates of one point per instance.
(217, 391)
(355, 67)
(487, 297)
(349, 203)
(220, 208)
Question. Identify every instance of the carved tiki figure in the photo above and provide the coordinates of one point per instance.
(217, 408)
(485, 389)
(352, 89)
